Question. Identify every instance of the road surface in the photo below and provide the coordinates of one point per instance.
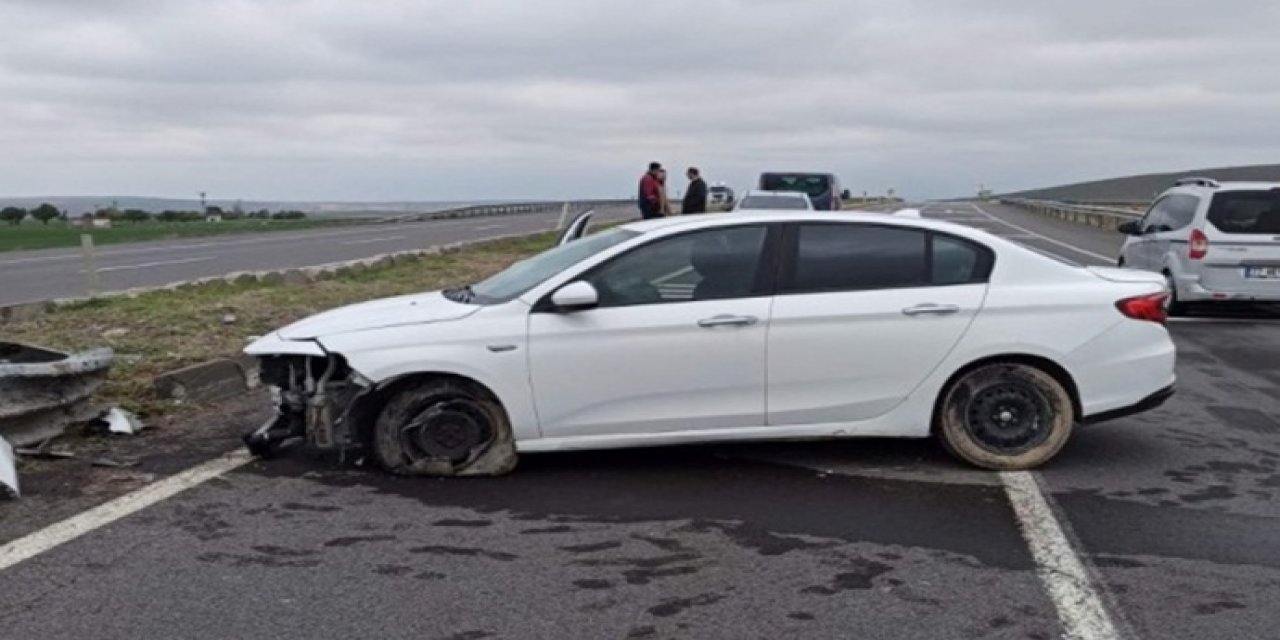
(60, 273)
(1173, 517)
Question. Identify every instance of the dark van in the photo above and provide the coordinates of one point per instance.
(823, 189)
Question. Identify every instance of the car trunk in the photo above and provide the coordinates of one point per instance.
(1244, 243)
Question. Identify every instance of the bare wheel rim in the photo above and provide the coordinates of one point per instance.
(452, 429)
(1008, 417)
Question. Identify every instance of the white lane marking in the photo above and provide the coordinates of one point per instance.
(148, 265)
(1085, 252)
(372, 240)
(487, 227)
(34, 544)
(1080, 607)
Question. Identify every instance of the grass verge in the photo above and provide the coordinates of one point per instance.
(30, 235)
(165, 330)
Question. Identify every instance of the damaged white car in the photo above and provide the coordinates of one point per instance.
(765, 325)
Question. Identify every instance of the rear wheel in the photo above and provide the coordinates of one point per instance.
(1005, 416)
(443, 427)
(1172, 306)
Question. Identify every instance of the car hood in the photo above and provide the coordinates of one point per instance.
(418, 308)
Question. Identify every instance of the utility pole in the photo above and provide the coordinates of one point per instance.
(203, 208)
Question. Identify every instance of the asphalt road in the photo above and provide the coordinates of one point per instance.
(60, 273)
(1173, 513)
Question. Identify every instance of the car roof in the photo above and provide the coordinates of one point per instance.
(796, 215)
(1228, 186)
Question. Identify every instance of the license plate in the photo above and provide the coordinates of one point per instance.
(1262, 273)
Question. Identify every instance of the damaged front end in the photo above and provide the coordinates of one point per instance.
(314, 397)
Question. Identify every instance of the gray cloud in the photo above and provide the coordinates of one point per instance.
(496, 98)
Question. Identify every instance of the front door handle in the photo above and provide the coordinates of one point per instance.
(931, 309)
(725, 320)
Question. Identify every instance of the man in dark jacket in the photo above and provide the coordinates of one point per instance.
(695, 199)
(650, 196)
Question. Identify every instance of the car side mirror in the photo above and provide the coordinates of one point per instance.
(1131, 228)
(575, 296)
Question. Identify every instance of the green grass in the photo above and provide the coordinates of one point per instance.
(166, 330)
(33, 235)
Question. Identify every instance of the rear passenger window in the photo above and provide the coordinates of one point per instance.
(853, 257)
(860, 257)
(957, 261)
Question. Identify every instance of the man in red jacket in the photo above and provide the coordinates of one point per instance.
(650, 196)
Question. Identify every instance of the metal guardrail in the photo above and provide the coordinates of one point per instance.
(483, 210)
(1093, 215)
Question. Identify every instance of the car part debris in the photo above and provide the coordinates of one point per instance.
(43, 391)
(113, 463)
(120, 421)
(45, 451)
(8, 471)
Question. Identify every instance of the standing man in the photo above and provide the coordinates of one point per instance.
(650, 197)
(695, 199)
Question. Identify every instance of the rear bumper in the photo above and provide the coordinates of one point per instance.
(1146, 404)
(1192, 290)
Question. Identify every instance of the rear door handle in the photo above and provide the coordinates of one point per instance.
(931, 309)
(725, 320)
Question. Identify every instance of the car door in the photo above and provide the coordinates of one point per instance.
(676, 343)
(1143, 251)
(864, 313)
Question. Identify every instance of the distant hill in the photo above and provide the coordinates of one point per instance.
(1144, 188)
(76, 205)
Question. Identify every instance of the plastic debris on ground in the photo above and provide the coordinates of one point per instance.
(8, 471)
(120, 421)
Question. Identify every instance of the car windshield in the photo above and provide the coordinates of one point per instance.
(1249, 212)
(773, 202)
(811, 184)
(526, 274)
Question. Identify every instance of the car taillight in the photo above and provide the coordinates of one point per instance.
(1199, 245)
(1149, 307)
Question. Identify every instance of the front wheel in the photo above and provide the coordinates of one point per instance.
(443, 427)
(1005, 416)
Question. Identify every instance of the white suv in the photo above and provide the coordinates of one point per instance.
(1214, 242)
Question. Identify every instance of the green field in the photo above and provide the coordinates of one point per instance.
(33, 235)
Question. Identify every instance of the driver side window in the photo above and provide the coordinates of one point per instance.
(713, 264)
(1156, 219)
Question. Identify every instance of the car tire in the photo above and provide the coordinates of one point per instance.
(1173, 307)
(443, 427)
(1005, 416)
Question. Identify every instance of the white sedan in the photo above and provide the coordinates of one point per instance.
(765, 326)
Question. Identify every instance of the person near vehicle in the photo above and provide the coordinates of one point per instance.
(665, 209)
(695, 198)
(651, 193)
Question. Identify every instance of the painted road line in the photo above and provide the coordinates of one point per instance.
(148, 265)
(372, 240)
(489, 227)
(1084, 252)
(32, 545)
(1080, 607)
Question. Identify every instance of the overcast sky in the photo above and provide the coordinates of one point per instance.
(461, 99)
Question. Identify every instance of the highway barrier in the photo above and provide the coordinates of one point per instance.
(1092, 215)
